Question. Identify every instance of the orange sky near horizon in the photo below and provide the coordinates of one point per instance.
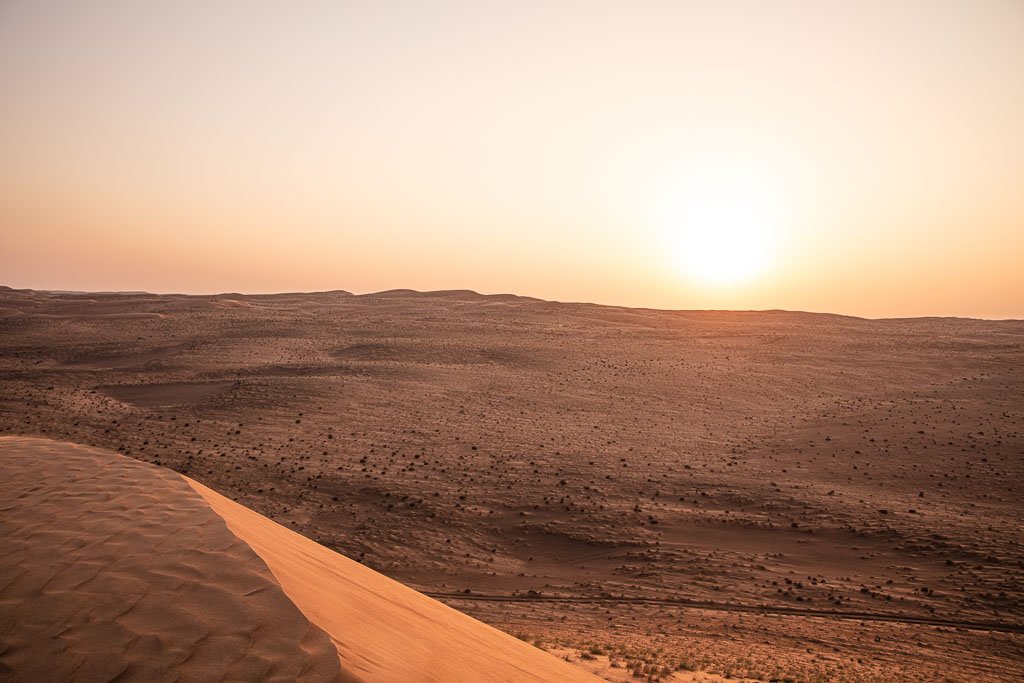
(864, 158)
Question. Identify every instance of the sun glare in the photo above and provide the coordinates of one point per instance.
(722, 238)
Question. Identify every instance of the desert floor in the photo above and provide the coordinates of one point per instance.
(765, 495)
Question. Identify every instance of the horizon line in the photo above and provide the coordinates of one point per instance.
(475, 293)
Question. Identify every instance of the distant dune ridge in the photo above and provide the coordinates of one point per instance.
(115, 568)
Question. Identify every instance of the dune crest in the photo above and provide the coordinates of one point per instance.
(115, 568)
(384, 630)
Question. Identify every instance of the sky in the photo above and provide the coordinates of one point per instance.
(864, 157)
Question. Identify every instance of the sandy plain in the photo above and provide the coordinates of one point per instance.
(669, 494)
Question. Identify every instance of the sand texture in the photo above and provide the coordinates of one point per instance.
(115, 569)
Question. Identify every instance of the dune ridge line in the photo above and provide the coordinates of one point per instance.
(111, 567)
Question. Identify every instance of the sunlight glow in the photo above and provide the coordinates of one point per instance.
(723, 233)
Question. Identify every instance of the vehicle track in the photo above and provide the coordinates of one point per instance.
(1001, 626)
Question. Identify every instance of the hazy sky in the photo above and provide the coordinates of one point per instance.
(862, 157)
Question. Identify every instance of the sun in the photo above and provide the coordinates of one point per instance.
(721, 238)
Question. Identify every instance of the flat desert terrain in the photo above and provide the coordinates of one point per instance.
(677, 495)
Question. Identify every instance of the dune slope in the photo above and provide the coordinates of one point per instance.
(113, 568)
(384, 630)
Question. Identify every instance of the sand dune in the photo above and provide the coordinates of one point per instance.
(114, 568)
(382, 629)
(110, 568)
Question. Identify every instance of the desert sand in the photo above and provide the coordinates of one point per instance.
(766, 495)
(383, 630)
(113, 568)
